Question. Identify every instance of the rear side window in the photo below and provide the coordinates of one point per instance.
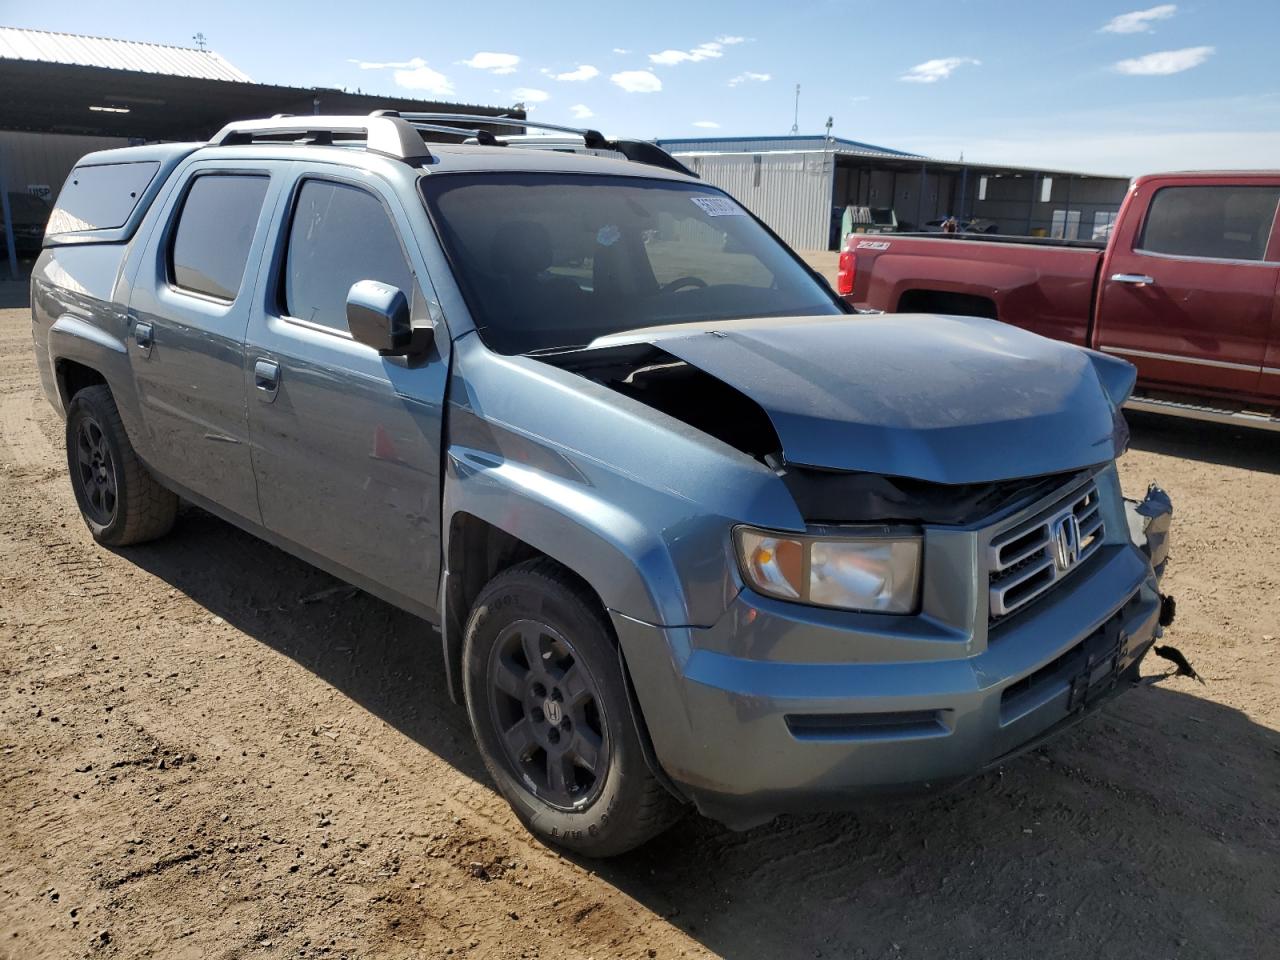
(1218, 223)
(100, 197)
(339, 235)
(215, 228)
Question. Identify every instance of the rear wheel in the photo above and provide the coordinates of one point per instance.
(121, 502)
(552, 717)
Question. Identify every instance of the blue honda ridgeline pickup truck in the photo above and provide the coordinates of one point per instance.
(690, 531)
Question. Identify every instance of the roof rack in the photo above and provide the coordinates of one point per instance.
(638, 151)
(381, 133)
(399, 135)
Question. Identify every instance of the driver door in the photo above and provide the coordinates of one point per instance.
(346, 443)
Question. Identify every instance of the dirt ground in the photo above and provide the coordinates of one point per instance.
(206, 751)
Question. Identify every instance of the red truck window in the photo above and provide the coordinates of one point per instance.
(1218, 222)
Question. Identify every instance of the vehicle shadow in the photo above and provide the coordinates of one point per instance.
(384, 659)
(1244, 447)
(1151, 829)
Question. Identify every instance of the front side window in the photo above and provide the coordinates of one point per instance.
(339, 235)
(215, 229)
(1219, 223)
(554, 261)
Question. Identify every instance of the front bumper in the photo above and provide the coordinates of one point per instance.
(749, 735)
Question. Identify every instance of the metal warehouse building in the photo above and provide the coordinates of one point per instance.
(65, 95)
(801, 186)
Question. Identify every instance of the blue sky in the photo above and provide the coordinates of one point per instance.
(1097, 85)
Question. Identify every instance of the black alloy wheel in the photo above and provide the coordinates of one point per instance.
(545, 704)
(548, 699)
(96, 472)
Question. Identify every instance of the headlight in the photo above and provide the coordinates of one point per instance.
(875, 574)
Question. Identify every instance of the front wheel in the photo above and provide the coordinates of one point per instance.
(551, 714)
(121, 502)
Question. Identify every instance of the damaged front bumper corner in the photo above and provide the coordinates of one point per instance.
(1149, 523)
(760, 714)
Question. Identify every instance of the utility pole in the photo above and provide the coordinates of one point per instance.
(795, 124)
(830, 121)
(201, 42)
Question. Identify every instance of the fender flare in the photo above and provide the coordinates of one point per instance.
(80, 341)
(622, 559)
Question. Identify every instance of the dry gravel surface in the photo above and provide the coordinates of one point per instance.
(210, 749)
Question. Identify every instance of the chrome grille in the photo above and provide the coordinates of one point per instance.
(1031, 557)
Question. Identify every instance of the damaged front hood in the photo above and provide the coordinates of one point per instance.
(938, 398)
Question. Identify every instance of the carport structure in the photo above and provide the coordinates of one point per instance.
(800, 186)
(66, 95)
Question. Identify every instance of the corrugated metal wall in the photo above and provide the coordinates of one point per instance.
(29, 159)
(791, 192)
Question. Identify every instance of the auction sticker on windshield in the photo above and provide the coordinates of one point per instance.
(719, 207)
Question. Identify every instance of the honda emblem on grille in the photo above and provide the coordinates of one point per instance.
(1066, 542)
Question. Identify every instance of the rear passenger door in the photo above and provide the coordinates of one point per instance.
(189, 310)
(346, 443)
(1188, 295)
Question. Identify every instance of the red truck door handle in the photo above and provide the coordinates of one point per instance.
(1141, 279)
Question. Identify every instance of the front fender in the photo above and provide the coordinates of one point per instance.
(579, 521)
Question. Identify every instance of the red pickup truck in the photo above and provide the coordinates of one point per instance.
(1186, 289)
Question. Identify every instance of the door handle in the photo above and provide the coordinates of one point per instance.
(266, 377)
(144, 337)
(1141, 279)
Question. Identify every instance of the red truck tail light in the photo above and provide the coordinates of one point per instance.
(844, 275)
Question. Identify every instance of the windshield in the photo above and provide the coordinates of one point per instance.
(551, 261)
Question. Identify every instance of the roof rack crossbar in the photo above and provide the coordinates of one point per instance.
(593, 138)
(482, 137)
(637, 151)
(382, 134)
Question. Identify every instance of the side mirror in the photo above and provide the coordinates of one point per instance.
(378, 317)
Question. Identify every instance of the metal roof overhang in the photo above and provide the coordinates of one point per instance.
(908, 163)
(915, 164)
(55, 98)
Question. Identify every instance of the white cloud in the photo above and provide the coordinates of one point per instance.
(711, 50)
(493, 62)
(1140, 21)
(620, 50)
(931, 71)
(584, 72)
(707, 124)
(412, 74)
(637, 81)
(581, 111)
(750, 77)
(1165, 62)
(530, 95)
